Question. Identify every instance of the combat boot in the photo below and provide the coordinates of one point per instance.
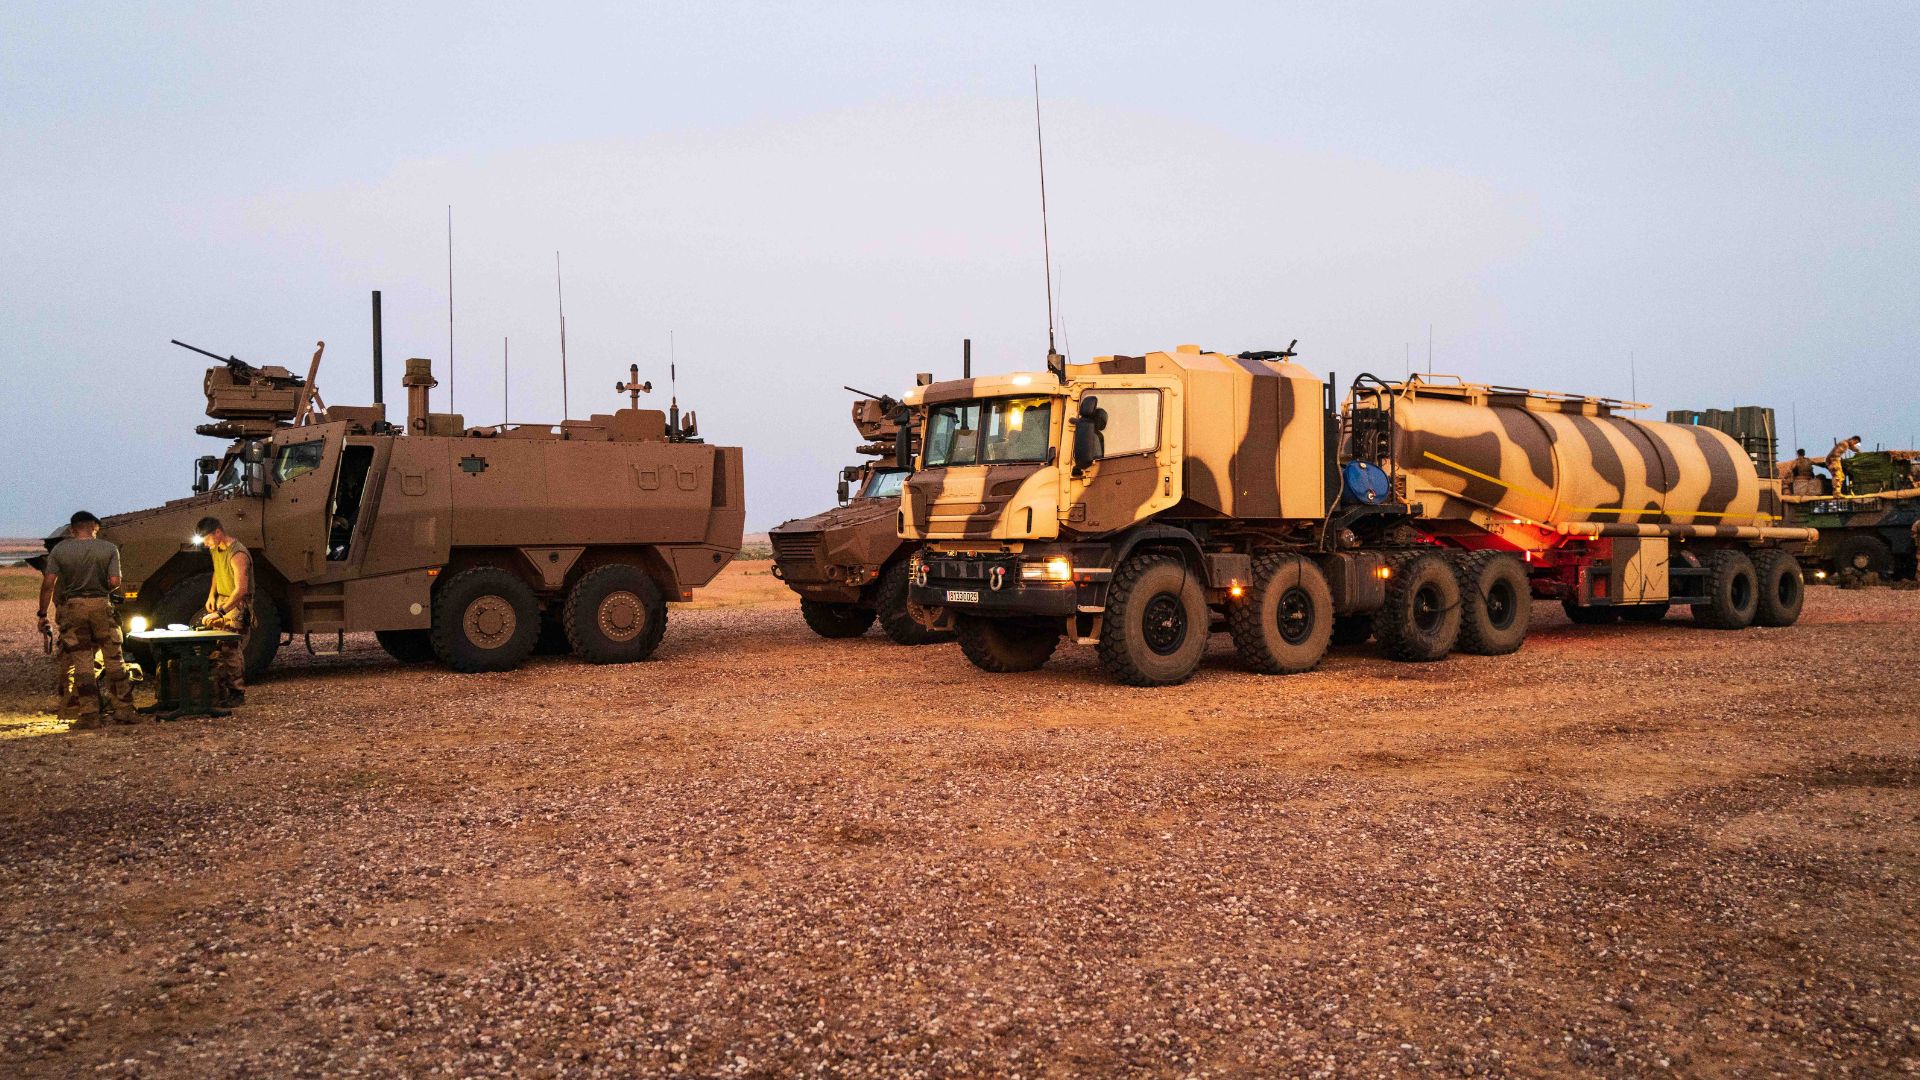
(89, 722)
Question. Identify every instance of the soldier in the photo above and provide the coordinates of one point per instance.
(229, 607)
(1800, 468)
(1835, 457)
(81, 574)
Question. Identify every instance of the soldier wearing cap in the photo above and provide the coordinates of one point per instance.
(1835, 458)
(229, 607)
(81, 573)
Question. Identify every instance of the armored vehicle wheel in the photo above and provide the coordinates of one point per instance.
(188, 598)
(1782, 589)
(1352, 629)
(406, 646)
(1157, 622)
(1582, 615)
(615, 615)
(484, 619)
(898, 623)
(1421, 619)
(836, 620)
(1644, 613)
(1004, 645)
(1285, 622)
(1734, 592)
(1864, 554)
(1496, 603)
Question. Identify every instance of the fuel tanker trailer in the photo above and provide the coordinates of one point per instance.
(1140, 504)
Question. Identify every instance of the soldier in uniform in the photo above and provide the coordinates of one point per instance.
(1835, 457)
(229, 607)
(1800, 468)
(82, 572)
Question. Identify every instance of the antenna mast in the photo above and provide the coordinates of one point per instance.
(1055, 362)
(504, 401)
(450, 406)
(673, 389)
(561, 293)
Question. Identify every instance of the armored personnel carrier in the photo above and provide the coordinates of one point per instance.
(1139, 503)
(1867, 535)
(849, 564)
(469, 544)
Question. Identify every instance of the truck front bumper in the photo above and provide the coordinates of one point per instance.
(991, 585)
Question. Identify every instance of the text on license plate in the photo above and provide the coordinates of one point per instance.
(963, 596)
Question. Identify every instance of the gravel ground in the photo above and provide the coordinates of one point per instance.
(1621, 852)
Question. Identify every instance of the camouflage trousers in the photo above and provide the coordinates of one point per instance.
(87, 626)
(230, 657)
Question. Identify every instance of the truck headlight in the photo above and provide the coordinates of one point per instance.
(1057, 568)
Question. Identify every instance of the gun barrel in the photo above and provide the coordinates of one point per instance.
(203, 352)
(862, 393)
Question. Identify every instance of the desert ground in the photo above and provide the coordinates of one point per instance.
(1621, 852)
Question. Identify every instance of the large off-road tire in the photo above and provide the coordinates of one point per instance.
(615, 615)
(1496, 603)
(1420, 620)
(1644, 614)
(1598, 615)
(1352, 629)
(484, 619)
(1733, 592)
(890, 600)
(183, 604)
(1782, 588)
(836, 620)
(406, 646)
(1004, 645)
(1285, 622)
(1863, 553)
(1157, 622)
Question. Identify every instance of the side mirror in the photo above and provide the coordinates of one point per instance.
(254, 452)
(850, 473)
(203, 470)
(1086, 434)
(903, 445)
(257, 483)
(845, 493)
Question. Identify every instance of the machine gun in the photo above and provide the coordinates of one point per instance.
(250, 401)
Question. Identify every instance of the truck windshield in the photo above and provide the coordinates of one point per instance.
(884, 484)
(995, 431)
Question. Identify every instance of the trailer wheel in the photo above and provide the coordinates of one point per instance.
(1496, 603)
(1644, 614)
(615, 615)
(1421, 619)
(406, 646)
(1285, 622)
(1863, 553)
(484, 619)
(1733, 591)
(1352, 629)
(1157, 622)
(1782, 588)
(1586, 615)
(836, 620)
(1004, 645)
(896, 621)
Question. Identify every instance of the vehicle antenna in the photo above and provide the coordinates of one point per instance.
(1055, 362)
(1429, 350)
(1407, 358)
(673, 389)
(504, 400)
(560, 293)
(450, 407)
(966, 360)
(1633, 380)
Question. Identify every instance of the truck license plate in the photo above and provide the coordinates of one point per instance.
(963, 596)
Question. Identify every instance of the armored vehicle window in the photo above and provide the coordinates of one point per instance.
(297, 460)
(1018, 429)
(884, 485)
(1133, 421)
(953, 435)
(231, 473)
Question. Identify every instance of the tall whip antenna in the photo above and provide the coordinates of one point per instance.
(505, 401)
(450, 407)
(1055, 362)
(560, 293)
(673, 388)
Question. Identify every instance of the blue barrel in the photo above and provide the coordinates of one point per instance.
(1366, 483)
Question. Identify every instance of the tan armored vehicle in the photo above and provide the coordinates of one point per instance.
(1140, 503)
(849, 564)
(469, 544)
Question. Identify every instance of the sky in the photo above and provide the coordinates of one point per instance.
(1692, 204)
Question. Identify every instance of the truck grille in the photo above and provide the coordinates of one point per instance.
(796, 547)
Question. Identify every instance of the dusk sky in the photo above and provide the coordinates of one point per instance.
(808, 195)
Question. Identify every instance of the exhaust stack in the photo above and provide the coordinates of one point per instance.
(418, 380)
(379, 383)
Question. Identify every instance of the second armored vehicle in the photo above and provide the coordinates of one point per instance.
(849, 564)
(467, 544)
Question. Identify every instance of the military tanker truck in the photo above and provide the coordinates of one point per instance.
(1141, 503)
(849, 564)
(465, 544)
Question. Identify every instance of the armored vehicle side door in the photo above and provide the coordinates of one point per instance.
(301, 471)
(1136, 471)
